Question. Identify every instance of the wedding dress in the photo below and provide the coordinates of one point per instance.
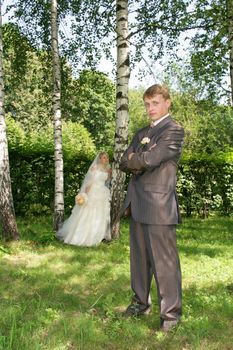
(89, 223)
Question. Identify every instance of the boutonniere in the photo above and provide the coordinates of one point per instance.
(145, 140)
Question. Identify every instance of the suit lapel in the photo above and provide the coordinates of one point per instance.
(153, 133)
(159, 128)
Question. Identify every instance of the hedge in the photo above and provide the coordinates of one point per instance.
(205, 181)
(32, 165)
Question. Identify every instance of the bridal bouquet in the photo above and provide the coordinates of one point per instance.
(81, 199)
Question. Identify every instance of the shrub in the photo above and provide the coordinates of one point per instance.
(205, 183)
(32, 165)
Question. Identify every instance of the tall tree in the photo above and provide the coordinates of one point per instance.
(212, 46)
(122, 115)
(28, 80)
(229, 7)
(58, 155)
(90, 100)
(7, 213)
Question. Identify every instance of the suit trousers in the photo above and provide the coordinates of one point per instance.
(153, 252)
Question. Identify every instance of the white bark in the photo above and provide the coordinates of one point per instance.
(230, 38)
(7, 213)
(122, 115)
(58, 154)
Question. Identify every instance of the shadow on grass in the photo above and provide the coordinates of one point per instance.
(212, 237)
(199, 250)
(88, 314)
(209, 230)
(57, 296)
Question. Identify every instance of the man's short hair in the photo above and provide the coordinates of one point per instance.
(157, 89)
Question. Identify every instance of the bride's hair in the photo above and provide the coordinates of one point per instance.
(101, 154)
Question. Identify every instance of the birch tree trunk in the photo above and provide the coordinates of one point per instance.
(229, 4)
(58, 155)
(7, 213)
(122, 114)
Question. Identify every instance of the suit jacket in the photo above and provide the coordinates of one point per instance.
(152, 188)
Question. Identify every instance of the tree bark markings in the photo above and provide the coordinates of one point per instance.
(58, 154)
(7, 213)
(122, 115)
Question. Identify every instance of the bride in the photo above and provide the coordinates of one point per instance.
(89, 222)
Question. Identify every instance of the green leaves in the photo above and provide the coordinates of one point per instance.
(210, 46)
(32, 165)
(92, 104)
(77, 141)
(89, 99)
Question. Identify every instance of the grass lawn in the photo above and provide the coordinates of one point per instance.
(55, 296)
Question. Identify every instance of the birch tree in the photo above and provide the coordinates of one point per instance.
(229, 7)
(58, 155)
(122, 115)
(7, 213)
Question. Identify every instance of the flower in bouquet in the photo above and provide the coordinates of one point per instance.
(81, 199)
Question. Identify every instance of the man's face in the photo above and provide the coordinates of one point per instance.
(156, 106)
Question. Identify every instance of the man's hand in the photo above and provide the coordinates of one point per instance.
(130, 156)
(153, 146)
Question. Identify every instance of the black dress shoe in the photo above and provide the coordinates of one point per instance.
(167, 326)
(137, 309)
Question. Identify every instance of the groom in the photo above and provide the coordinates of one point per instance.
(152, 158)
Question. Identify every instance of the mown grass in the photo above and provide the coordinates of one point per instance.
(55, 296)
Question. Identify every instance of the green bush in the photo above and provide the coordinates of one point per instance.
(32, 165)
(205, 183)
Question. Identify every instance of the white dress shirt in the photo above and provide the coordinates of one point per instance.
(154, 123)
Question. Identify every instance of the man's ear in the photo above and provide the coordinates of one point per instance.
(168, 103)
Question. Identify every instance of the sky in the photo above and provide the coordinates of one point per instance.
(106, 66)
(156, 74)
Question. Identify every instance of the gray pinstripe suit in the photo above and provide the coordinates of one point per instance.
(152, 198)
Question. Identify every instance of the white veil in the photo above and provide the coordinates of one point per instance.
(88, 179)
